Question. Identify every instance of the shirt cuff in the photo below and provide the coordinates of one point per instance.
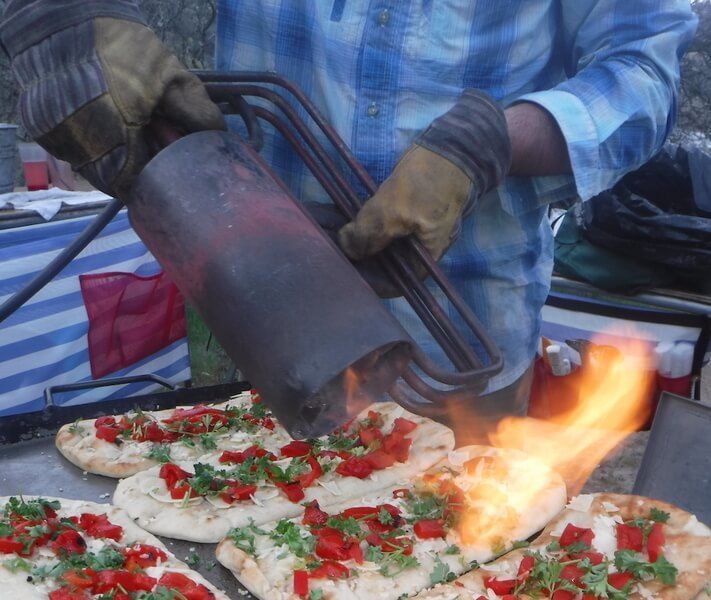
(580, 133)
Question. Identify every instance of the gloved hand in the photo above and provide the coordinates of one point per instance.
(461, 156)
(92, 93)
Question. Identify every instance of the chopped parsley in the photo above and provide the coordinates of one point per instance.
(299, 542)
(441, 573)
(159, 453)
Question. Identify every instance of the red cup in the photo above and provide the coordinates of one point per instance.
(34, 166)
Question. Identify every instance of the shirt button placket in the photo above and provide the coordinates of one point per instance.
(384, 17)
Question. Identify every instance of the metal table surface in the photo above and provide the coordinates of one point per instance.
(35, 467)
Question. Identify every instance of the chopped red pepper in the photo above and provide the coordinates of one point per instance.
(619, 580)
(331, 544)
(397, 445)
(253, 451)
(107, 433)
(629, 537)
(572, 535)
(313, 515)
(403, 426)
(379, 459)
(368, 435)
(106, 581)
(295, 449)
(80, 580)
(293, 491)
(315, 471)
(500, 587)
(172, 474)
(99, 526)
(354, 467)
(186, 587)
(355, 552)
(301, 583)
(330, 569)
(525, 568)
(69, 542)
(237, 493)
(10, 546)
(572, 573)
(193, 414)
(655, 541)
(390, 544)
(142, 556)
(429, 529)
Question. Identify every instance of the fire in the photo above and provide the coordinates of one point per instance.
(612, 389)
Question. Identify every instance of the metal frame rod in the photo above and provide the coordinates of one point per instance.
(471, 371)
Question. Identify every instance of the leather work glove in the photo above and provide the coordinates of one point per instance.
(95, 82)
(464, 153)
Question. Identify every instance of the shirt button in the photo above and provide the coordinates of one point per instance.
(373, 110)
(384, 17)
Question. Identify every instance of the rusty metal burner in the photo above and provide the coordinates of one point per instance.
(338, 330)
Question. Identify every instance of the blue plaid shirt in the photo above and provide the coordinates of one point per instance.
(381, 71)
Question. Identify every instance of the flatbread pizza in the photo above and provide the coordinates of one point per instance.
(55, 549)
(601, 546)
(128, 444)
(400, 541)
(200, 501)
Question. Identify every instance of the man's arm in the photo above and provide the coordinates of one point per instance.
(619, 105)
(537, 144)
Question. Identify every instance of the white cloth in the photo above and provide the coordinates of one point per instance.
(47, 203)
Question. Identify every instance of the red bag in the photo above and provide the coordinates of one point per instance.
(130, 318)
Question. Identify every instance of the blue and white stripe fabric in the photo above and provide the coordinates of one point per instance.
(45, 342)
(381, 71)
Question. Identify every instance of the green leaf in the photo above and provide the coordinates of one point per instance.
(17, 564)
(315, 595)
(665, 571)
(441, 573)
(297, 540)
(349, 526)
(159, 453)
(595, 580)
(521, 544)
(658, 515)
(243, 540)
(193, 560)
(385, 517)
(451, 550)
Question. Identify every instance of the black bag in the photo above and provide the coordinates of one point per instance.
(660, 213)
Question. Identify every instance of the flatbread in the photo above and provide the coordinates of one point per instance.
(687, 547)
(477, 471)
(80, 445)
(145, 496)
(19, 585)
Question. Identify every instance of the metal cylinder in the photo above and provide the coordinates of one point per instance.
(8, 157)
(285, 304)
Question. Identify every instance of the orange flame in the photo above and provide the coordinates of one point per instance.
(610, 401)
(612, 389)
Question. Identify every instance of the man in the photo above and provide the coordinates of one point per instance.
(439, 100)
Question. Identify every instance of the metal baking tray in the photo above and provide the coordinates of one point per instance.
(31, 465)
(676, 467)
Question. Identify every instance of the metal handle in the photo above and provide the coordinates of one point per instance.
(471, 373)
(90, 385)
